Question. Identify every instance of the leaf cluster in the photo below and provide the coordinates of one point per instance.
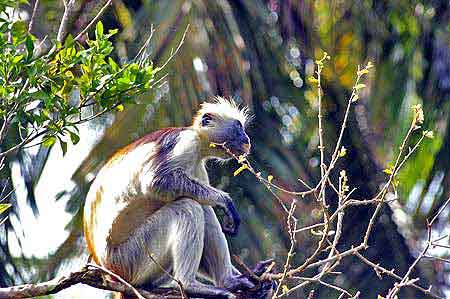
(47, 95)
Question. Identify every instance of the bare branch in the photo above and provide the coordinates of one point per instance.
(380, 270)
(292, 227)
(405, 281)
(144, 46)
(174, 52)
(33, 15)
(94, 276)
(69, 6)
(136, 292)
(88, 275)
(95, 19)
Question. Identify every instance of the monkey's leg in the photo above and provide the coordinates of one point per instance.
(216, 261)
(187, 238)
(174, 237)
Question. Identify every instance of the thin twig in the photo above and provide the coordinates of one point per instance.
(92, 22)
(292, 227)
(406, 280)
(3, 220)
(136, 292)
(145, 45)
(33, 15)
(174, 52)
(322, 196)
(178, 282)
(377, 268)
(247, 270)
(69, 6)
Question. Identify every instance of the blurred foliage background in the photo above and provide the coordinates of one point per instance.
(261, 52)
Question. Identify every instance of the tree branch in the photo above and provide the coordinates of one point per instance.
(97, 277)
(33, 15)
(68, 10)
(94, 277)
(95, 19)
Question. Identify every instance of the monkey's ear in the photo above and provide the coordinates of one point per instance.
(206, 119)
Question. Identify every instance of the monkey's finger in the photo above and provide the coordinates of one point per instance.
(229, 230)
(230, 227)
(262, 266)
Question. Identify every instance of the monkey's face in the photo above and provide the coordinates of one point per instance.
(227, 133)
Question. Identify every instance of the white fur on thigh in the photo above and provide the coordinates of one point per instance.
(179, 225)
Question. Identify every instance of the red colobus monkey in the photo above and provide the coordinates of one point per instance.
(153, 197)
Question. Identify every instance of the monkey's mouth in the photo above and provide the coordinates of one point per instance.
(241, 149)
(246, 148)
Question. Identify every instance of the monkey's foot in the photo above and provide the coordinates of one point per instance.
(196, 288)
(262, 267)
(263, 288)
(238, 282)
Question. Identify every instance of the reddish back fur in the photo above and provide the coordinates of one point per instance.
(157, 137)
(152, 137)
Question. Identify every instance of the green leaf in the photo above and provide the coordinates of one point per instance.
(113, 64)
(240, 169)
(19, 28)
(17, 59)
(4, 207)
(68, 41)
(19, 32)
(112, 32)
(4, 27)
(359, 86)
(74, 137)
(30, 47)
(63, 145)
(99, 30)
(49, 141)
(388, 171)
(362, 72)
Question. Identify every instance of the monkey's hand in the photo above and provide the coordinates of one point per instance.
(176, 183)
(231, 220)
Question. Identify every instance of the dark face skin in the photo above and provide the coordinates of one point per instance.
(238, 141)
(229, 132)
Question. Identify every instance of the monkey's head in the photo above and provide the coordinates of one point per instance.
(222, 122)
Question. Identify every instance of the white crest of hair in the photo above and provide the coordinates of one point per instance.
(224, 108)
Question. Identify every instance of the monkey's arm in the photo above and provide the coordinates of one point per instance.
(176, 183)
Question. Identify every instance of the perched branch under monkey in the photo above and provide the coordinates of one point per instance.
(95, 276)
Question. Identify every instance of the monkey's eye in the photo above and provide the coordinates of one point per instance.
(206, 119)
(238, 124)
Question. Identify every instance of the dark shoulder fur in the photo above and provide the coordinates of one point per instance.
(164, 138)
